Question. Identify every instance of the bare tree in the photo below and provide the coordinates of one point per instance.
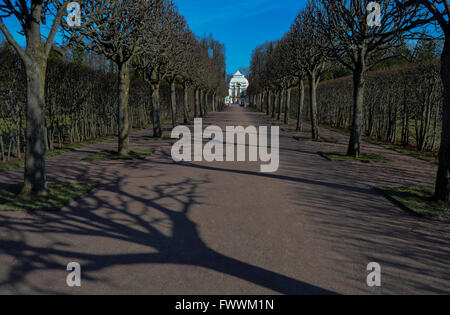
(440, 11)
(359, 46)
(115, 30)
(297, 65)
(31, 16)
(175, 58)
(154, 64)
(315, 54)
(259, 76)
(287, 74)
(186, 72)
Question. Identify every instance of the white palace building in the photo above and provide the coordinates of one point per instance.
(237, 93)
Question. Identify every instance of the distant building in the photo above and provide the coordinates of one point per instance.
(237, 93)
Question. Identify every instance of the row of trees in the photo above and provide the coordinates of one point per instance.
(80, 103)
(147, 39)
(344, 36)
(403, 103)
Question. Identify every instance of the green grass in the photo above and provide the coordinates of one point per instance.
(114, 155)
(291, 127)
(418, 199)
(61, 194)
(9, 165)
(76, 146)
(49, 154)
(425, 156)
(321, 139)
(149, 138)
(344, 132)
(140, 128)
(72, 147)
(364, 158)
(288, 129)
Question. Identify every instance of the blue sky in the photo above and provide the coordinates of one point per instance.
(240, 24)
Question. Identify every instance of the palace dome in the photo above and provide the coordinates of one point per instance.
(239, 79)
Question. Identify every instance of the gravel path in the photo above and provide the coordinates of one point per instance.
(157, 227)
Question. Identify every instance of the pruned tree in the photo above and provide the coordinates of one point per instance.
(440, 12)
(315, 54)
(259, 77)
(32, 15)
(159, 33)
(186, 78)
(175, 57)
(284, 76)
(297, 65)
(115, 29)
(216, 73)
(360, 46)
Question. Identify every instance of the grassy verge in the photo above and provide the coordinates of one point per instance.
(344, 132)
(293, 129)
(425, 156)
(149, 138)
(321, 139)
(418, 199)
(61, 194)
(364, 158)
(72, 147)
(19, 163)
(140, 128)
(114, 155)
(76, 146)
(9, 165)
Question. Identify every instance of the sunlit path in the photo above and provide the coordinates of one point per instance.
(223, 228)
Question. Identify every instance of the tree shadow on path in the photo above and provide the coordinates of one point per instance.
(116, 215)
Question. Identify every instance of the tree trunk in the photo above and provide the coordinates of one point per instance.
(196, 103)
(442, 189)
(354, 146)
(173, 103)
(262, 101)
(301, 100)
(2, 149)
(280, 101)
(201, 103)
(405, 122)
(123, 121)
(157, 132)
(313, 106)
(269, 95)
(185, 105)
(274, 104)
(35, 183)
(287, 106)
(205, 107)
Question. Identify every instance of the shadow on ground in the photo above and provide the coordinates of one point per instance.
(137, 218)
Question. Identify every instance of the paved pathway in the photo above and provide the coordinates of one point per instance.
(156, 227)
